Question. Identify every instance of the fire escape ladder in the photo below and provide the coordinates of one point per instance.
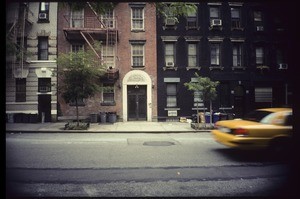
(90, 43)
(101, 22)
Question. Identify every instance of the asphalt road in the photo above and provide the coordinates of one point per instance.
(139, 164)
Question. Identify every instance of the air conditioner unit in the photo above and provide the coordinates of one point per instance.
(170, 64)
(170, 21)
(283, 66)
(259, 28)
(42, 15)
(216, 22)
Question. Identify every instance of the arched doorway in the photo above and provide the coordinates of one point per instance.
(137, 96)
(239, 101)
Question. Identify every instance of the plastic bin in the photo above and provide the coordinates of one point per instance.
(216, 117)
(207, 117)
(112, 117)
(93, 117)
(103, 117)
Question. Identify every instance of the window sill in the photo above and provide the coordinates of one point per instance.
(172, 109)
(170, 68)
(169, 27)
(216, 68)
(238, 68)
(193, 68)
(192, 28)
(263, 67)
(238, 29)
(138, 67)
(137, 30)
(108, 103)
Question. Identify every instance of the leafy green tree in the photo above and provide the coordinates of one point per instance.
(175, 9)
(80, 73)
(206, 90)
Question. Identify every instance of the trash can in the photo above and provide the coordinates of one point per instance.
(103, 117)
(207, 117)
(216, 117)
(112, 117)
(93, 117)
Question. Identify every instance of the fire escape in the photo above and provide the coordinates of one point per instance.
(90, 27)
(19, 22)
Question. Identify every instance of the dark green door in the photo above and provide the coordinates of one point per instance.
(44, 108)
(137, 103)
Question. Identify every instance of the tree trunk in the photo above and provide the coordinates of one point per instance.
(210, 110)
(77, 112)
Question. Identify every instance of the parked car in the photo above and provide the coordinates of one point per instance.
(262, 128)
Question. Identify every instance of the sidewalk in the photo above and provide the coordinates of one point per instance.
(118, 127)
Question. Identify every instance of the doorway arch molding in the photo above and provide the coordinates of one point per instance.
(137, 77)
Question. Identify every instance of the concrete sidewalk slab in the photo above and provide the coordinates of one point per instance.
(118, 127)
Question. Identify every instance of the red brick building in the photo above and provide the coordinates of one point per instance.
(128, 36)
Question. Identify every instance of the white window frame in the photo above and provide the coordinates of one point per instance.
(195, 56)
(262, 57)
(139, 19)
(80, 17)
(238, 55)
(132, 55)
(218, 55)
(171, 56)
(107, 49)
(109, 16)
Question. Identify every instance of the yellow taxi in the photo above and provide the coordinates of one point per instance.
(262, 128)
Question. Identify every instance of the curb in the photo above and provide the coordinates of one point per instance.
(86, 131)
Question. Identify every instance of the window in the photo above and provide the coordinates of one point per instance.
(44, 85)
(170, 54)
(171, 95)
(263, 94)
(137, 53)
(259, 55)
(235, 18)
(192, 55)
(257, 16)
(80, 102)
(215, 54)
(108, 19)
(77, 18)
(76, 47)
(198, 102)
(108, 55)
(237, 55)
(137, 18)
(42, 48)
(43, 16)
(258, 20)
(214, 13)
(108, 94)
(21, 90)
(191, 19)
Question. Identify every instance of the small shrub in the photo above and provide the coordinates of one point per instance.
(73, 126)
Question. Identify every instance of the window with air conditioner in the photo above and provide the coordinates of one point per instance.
(215, 17)
(44, 85)
(170, 21)
(191, 19)
(169, 54)
(43, 15)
